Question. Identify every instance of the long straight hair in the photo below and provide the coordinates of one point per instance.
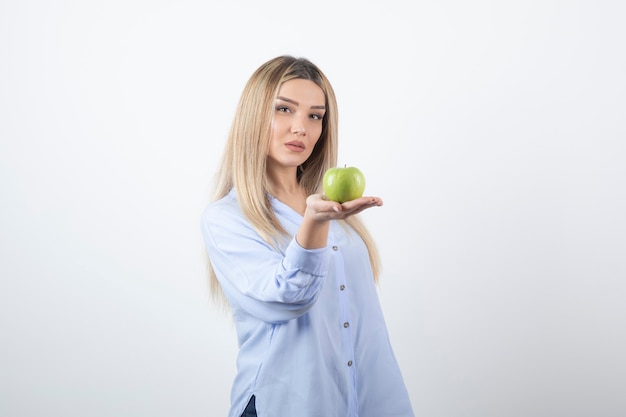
(245, 171)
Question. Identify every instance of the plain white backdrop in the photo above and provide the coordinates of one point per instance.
(494, 131)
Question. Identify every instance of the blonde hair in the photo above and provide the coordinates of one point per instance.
(243, 163)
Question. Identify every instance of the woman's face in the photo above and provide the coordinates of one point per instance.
(297, 123)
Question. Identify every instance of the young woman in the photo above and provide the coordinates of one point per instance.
(298, 271)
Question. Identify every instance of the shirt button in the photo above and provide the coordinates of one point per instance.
(349, 363)
(342, 287)
(346, 324)
(335, 248)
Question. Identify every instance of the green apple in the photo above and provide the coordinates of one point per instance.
(343, 184)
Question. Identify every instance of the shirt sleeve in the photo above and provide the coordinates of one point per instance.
(255, 276)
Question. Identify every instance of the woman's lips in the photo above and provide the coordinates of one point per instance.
(295, 146)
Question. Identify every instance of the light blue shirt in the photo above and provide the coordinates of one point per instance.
(312, 337)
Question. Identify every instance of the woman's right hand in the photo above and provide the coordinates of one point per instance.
(313, 232)
(322, 209)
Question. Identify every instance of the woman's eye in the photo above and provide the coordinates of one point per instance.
(283, 109)
(317, 116)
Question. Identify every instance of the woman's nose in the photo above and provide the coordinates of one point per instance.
(298, 130)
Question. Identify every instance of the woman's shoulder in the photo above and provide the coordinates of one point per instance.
(228, 200)
(222, 210)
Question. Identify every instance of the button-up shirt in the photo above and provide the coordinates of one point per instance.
(311, 333)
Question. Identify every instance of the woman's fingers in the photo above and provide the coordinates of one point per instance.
(363, 202)
(324, 208)
(352, 207)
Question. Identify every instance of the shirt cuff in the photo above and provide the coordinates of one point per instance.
(310, 261)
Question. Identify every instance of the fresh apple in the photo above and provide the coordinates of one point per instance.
(343, 184)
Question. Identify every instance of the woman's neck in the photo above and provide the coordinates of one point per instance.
(286, 188)
(283, 180)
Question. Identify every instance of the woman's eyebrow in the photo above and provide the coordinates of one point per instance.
(288, 100)
(321, 107)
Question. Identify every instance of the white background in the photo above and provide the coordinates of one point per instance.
(494, 131)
